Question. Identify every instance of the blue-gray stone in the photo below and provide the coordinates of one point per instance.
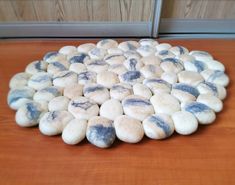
(83, 105)
(157, 80)
(212, 86)
(78, 58)
(130, 76)
(60, 66)
(132, 64)
(67, 74)
(52, 90)
(163, 52)
(196, 107)
(135, 102)
(33, 111)
(199, 65)
(50, 54)
(94, 88)
(186, 88)
(17, 94)
(100, 133)
(112, 56)
(131, 46)
(87, 75)
(41, 78)
(97, 63)
(161, 123)
(181, 50)
(216, 74)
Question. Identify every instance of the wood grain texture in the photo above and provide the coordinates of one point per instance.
(28, 158)
(198, 9)
(75, 10)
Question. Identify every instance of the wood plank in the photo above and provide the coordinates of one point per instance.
(75, 10)
(29, 158)
(198, 9)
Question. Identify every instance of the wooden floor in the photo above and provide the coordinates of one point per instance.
(27, 157)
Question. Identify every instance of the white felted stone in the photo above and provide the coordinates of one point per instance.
(36, 67)
(211, 101)
(100, 132)
(53, 123)
(212, 89)
(74, 132)
(29, 114)
(185, 122)
(65, 78)
(97, 66)
(131, 77)
(120, 91)
(85, 48)
(169, 77)
(114, 59)
(58, 103)
(157, 85)
(190, 78)
(146, 50)
(107, 44)
(142, 90)
(179, 50)
(96, 92)
(117, 68)
(163, 54)
(57, 66)
(215, 65)
(202, 112)
(215, 76)
(128, 45)
(163, 46)
(148, 42)
(201, 55)
(150, 71)
(53, 56)
(77, 68)
(18, 97)
(111, 109)
(115, 51)
(128, 129)
(83, 108)
(184, 92)
(97, 53)
(86, 77)
(133, 64)
(172, 65)
(66, 50)
(151, 60)
(73, 91)
(40, 80)
(107, 79)
(19, 80)
(137, 107)
(195, 66)
(158, 126)
(47, 94)
(165, 103)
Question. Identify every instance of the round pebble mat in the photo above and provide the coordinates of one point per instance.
(121, 90)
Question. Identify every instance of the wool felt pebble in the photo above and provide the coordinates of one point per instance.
(36, 67)
(111, 109)
(158, 126)
(74, 132)
(185, 122)
(29, 114)
(18, 97)
(53, 123)
(83, 108)
(97, 93)
(19, 80)
(137, 107)
(100, 132)
(128, 129)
